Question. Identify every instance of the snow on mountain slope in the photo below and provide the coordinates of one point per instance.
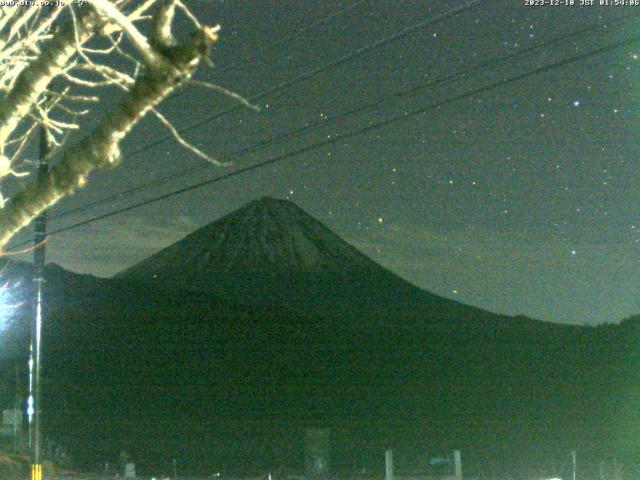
(267, 236)
(272, 252)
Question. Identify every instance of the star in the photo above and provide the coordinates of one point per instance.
(576, 103)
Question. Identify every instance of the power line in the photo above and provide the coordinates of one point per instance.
(292, 35)
(282, 40)
(318, 70)
(304, 76)
(311, 126)
(355, 133)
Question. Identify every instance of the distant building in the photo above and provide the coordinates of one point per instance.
(130, 470)
(316, 453)
(11, 423)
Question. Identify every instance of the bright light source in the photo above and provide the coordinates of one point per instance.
(30, 409)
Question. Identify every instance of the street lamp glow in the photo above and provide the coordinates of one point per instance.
(30, 409)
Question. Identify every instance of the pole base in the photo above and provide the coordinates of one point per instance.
(36, 471)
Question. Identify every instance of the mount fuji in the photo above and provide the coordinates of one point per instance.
(224, 346)
(271, 252)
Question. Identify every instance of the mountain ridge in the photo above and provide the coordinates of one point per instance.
(271, 252)
(270, 232)
(234, 380)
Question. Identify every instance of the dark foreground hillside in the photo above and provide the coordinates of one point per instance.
(167, 368)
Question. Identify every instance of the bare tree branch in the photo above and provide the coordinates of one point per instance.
(227, 92)
(34, 80)
(176, 134)
(101, 148)
(150, 58)
(52, 63)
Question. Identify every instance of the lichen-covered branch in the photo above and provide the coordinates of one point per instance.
(36, 77)
(101, 148)
(108, 10)
(32, 56)
(56, 62)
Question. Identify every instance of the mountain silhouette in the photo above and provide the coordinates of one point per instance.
(221, 348)
(271, 252)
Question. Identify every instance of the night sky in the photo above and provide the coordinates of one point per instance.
(524, 199)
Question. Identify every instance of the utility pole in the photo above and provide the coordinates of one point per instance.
(175, 470)
(17, 421)
(573, 456)
(457, 458)
(388, 464)
(40, 235)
